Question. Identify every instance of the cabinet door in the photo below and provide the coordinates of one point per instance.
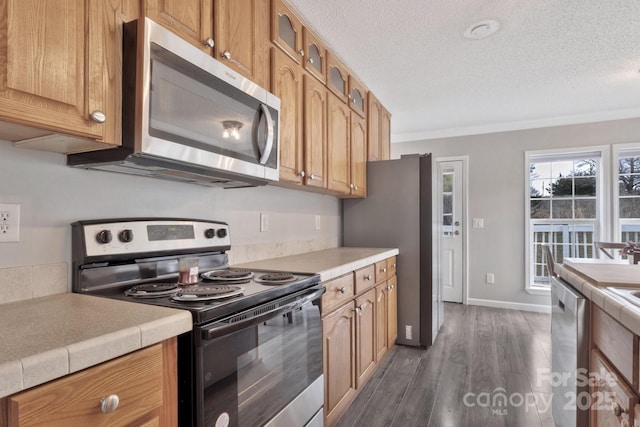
(392, 311)
(55, 71)
(365, 337)
(338, 332)
(286, 30)
(385, 135)
(337, 77)
(286, 84)
(315, 54)
(358, 156)
(357, 97)
(612, 401)
(190, 19)
(374, 111)
(381, 320)
(241, 37)
(315, 133)
(338, 167)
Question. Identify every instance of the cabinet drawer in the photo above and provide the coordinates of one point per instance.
(339, 291)
(365, 278)
(391, 266)
(612, 401)
(616, 342)
(75, 400)
(382, 271)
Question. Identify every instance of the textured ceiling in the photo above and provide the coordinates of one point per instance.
(553, 62)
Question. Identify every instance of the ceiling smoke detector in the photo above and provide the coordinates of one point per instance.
(482, 29)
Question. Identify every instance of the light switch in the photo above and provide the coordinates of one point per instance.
(478, 222)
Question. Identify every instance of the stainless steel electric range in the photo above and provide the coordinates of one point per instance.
(254, 356)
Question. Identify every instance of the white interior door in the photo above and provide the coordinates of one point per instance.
(451, 229)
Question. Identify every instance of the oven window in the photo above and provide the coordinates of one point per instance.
(251, 375)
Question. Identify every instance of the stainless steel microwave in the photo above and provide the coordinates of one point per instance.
(188, 117)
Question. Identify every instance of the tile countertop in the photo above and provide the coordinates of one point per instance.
(585, 277)
(50, 337)
(329, 263)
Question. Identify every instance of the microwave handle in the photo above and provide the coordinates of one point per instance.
(269, 139)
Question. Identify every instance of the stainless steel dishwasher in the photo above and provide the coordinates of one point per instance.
(569, 355)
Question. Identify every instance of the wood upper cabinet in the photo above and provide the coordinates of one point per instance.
(315, 55)
(358, 157)
(379, 128)
(190, 19)
(338, 146)
(286, 83)
(60, 71)
(286, 30)
(365, 336)
(315, 133)
(144, 381)
(337, 77)
(338, 332)
(241, 29)
(357, 97)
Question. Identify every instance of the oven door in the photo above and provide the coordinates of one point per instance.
(262, 366)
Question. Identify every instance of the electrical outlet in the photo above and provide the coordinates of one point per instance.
(317, 222)
(264, 221)
(490, 279)
(9, 222)
(408, 332)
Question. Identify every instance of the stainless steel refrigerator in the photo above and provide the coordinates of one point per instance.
(397, 212)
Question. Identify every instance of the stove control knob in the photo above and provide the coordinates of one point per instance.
(104, 237)
(125, 236)
(209, 233)
(222, 233)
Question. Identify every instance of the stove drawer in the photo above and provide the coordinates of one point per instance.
(339, 291)
(136, 379)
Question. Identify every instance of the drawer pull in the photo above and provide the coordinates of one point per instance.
(109, 404)
(617, 409)
(383, 270)
(341, 290)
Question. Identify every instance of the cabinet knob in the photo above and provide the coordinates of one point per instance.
(394, 265)
(341, 290)
(98, 116)
(226, 54)
(358, 311)
(312, 177)
(383, 269)
(355, 187)
(301, 52)
(301, 174)
(310, 60)
(209, 42)
(367, 277)
(109, 404)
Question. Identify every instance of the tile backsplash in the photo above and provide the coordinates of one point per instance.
(32, 281)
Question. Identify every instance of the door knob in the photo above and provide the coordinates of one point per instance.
(457, 233)
(457, 223)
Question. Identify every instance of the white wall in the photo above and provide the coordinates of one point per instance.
(496, 193)
(52, 196)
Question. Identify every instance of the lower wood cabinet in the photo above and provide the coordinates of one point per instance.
(612, 402)
(358, 328)
(143, 382)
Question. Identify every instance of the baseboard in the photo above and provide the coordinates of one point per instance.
(538, 308)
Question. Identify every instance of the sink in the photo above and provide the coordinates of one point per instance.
(631, 295)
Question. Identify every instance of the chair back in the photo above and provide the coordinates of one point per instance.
(549, 260)
(609, 249)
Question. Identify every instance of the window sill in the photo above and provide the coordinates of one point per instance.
(538, 290)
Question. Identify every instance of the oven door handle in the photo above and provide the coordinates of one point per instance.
(222, 328)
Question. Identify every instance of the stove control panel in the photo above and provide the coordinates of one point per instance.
(140, 236)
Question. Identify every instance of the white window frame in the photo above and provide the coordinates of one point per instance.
(630, 149)
(603, 200)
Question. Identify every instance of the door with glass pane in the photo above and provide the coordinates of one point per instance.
(450, 229)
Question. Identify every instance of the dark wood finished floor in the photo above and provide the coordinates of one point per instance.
(487, 368)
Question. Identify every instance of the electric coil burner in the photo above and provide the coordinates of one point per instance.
(257, 335)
